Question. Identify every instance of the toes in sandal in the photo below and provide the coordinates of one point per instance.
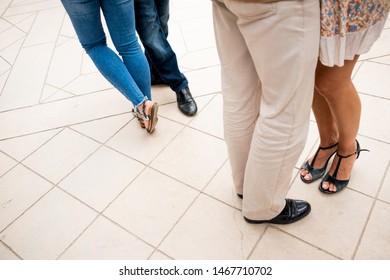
(143, 117)
(339, 184)
(316, 173)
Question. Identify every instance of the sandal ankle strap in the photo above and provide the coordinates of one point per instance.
(322, 148)
(357, 152)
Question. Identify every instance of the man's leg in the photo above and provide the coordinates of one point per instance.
(284, 48)
(161, 57)
(240, 91)
(157, 48)
(282, 39)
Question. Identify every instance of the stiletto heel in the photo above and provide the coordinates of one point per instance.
(340, 184)
(316, 173)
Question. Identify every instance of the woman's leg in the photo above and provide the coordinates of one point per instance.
(335, 85)
(120, 18)
(327, 129)
(85, 17)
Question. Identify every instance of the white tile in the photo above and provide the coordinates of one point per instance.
(3, 79)
(67, 28)
(87, 65)
(204, 81)
(59, 156)
(172, 112)
(61, 113)
(30, 60)
(385, 189)
(370, 168)
(380, 47)
(163, 94)
(99, 179)
(103, 129)
(178, 6)
(58, 95)
(49, 227)
(210, 120)
(211, 230)
(375, 244)
(372, 78)
(20, 147)
(4, 66)
(22, 21)
(46, 27)
(200, 59)
(104, 240)
(6, 163)
(10, 36)
(6, 253)
(182, 156)
(151, 206)
(336, 221)
(135, 142)
(383, 59)
(5, 3)
(375, 118)
(19, 189)
(88, 83)
(222, 188)
(198, 33)
(277, 245)
(4, 25)
(50, 93)
(65, 63)
(176, 39)
(11, 52)
(34, 6)
(158, 256)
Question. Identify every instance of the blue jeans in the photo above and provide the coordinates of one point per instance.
(131, 74)
(151, 17)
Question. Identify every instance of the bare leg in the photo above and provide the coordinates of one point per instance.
(327, 129)
(335, 85)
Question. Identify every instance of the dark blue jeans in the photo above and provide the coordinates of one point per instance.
(151, 17)
(131, 74)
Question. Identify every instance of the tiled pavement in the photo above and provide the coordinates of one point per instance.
(80, 179)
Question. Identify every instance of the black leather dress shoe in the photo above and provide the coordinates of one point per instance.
(292, 212)
(186, 103)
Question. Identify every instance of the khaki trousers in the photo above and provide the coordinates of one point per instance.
(268, 53)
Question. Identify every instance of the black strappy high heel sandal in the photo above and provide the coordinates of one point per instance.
(151, 118)
(340, 184)
(316, 173)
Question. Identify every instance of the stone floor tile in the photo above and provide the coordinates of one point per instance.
(192, 158)
(375, 243)
(130, 138)
(211, 230)
(47, 229)
(278, 245)
(151, 206)
(104, 240)
(106, 172)
(58, 157)
(20, 188)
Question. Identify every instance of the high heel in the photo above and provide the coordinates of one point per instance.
(316, 173)
(339, 184)
(151, 117)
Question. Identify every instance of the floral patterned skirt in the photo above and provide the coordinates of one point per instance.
(349, 28)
